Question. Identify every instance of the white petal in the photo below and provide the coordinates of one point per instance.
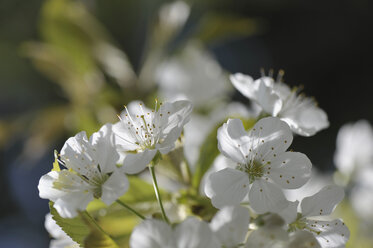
(230, 138)
(136, 162)
(125, 140)
(267, 237)
(77, 153)
(174, 115)
(303, 239)
(289, 214)
(152, 234)
(270, 137)
(227, 187)
(290, 170)
(266, 197)
(244, 84)
(46, 190)
(194, 233)
(323, 202)
(69, 205)
(53, 229)
(230, 225)
(330, 234)
(303, 116)
(267, 98)
(103, 143)
(354, 146)
(114, 187)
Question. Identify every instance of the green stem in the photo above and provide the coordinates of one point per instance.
(130, 209)
(86, 216)
(157, 194)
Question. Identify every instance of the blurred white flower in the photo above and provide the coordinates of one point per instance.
(277, 99)
(193, 75)
(174, 15)
(91, 173)
(191, 233)
(60, 238)
(142, 132)
(230, 225)
(354, 147)
(263, 166)
(329, 234)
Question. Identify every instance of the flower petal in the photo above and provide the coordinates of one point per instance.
(323, 202)
(270, 137)
(152, 233)
(267, 237)
(194, 233)
(244, 84)
(103, 143)
(125, 140)
(230, 225)
(230, 138)
(266, 197)
(330, 234)
(116, 185)
(77, 153)
(136, 162)
(303, 116)
(303, 239)
(46, 189)
(290, 170)
(68, 205)
(289, 214)
(227, 187)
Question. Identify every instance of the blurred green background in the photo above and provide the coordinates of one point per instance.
(67, 66)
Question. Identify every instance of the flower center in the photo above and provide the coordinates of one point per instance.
(254, 169)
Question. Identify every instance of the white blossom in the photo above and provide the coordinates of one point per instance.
(277, 99)
(194, 75)
(263, 166)
(354, 147)
(191, 233)
(230, 225)
(329, 234)
(60, 238)
(91, 173)
(142, 132)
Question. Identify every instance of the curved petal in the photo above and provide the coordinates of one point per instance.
(68, 205)
(323, 202)
(266, 197)
(303, 239)
(267, 237)
(230, 138)
(227, 187)
(77, 153)
(114, 187)
(329, 234)
(269, 138)
(303, 116)
(266, 97)
(289, 214)
(46, 189)
(194, 233)
(152, 233)
(136, 162)
(103, 144)
(230, 225)
(290, 170)
(125, 140)
(244, 84)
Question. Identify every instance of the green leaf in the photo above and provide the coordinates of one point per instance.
(209, 151)
(76, 228)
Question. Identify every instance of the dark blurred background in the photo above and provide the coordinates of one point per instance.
(324, 45)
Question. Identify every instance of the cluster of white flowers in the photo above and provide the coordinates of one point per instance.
(248, 190)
